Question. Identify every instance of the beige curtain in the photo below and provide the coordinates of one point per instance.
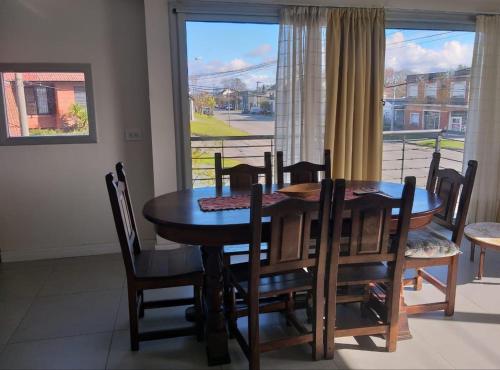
(482, 140)
(355, 51)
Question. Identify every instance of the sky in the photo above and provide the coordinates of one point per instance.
(219, 47)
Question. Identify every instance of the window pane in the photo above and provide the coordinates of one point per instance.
(427, 78)
(52, 104)
(41, 100)
(232, 89)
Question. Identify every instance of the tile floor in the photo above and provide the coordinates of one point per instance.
(71, 314)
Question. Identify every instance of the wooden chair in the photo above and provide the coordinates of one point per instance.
(243, 176)
(153, 269)
(370, 256)
(283, 273)
(303, 172)
(426, 247)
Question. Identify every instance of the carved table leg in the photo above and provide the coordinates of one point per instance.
(216, 334)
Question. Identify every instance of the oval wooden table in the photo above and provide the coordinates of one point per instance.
(177, 217)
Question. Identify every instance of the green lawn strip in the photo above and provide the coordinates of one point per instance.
(56, 132)
(445, 144)
(204, 125)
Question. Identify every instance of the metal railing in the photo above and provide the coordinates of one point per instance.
(409, 153)
(405, 153)
(234, 150)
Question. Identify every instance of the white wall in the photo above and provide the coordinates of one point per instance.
(53, 200)
(464, 6)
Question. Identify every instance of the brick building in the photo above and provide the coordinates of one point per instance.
(48, 99)
(433, 101)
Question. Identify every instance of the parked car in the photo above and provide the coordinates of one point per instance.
(255, 110)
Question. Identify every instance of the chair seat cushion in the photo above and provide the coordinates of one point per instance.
(427, 243)
(298, 280)
(240, 249)
(177, 262)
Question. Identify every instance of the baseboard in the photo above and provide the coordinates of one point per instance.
(31, 254)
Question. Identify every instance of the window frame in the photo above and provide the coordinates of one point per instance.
(462, 91)
(438, 117)
(181, 11)
(419, 124)
(85, 68)
(431, 89)
(412, 86)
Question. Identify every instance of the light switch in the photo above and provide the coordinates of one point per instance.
(133, 134)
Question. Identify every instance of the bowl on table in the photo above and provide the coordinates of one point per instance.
(306, 190)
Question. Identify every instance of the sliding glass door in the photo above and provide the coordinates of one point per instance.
(426, 100)
(232, 91)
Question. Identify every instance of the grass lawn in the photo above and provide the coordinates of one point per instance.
(445, 144)
(204, 125)
(56, 132)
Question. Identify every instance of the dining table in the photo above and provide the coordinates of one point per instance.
(178, 217)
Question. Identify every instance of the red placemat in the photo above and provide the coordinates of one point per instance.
(236, 202)
(243, 201)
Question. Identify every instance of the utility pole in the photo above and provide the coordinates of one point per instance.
(21, 105)
(257, 92)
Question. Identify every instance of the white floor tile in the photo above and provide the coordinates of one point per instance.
(69, 315)
(80, 352)
(174, 353)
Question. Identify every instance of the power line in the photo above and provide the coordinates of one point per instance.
(419, 38)
(237, 71)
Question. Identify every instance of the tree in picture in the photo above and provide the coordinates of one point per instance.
(77, 118)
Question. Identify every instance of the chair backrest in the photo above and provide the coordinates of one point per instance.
(369, 235)
(436, 158)
(123, 215)
(289, 234)
(242, 176)
(303, 172)
(455, 190)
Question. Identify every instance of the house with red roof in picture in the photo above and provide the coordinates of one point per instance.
(49, 96)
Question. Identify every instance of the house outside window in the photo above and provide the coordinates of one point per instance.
(412, 90)
(458, 89)
(431, 120)
(431, 89)
(415, 119)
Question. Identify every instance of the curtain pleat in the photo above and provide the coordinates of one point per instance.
(300, 84)
(355, 51)
(483, 127)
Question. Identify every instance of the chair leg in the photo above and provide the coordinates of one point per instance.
(308, 307)
(133, 319)
(418, 280)
(253, 335)
(395, 300)
(472, 251)
(451, 286)
(318, 350)
(289, 306)
(329, 336)
(141, 306)
(481, 263)
(198, 306)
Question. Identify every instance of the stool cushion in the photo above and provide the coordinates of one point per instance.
(427, 243)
